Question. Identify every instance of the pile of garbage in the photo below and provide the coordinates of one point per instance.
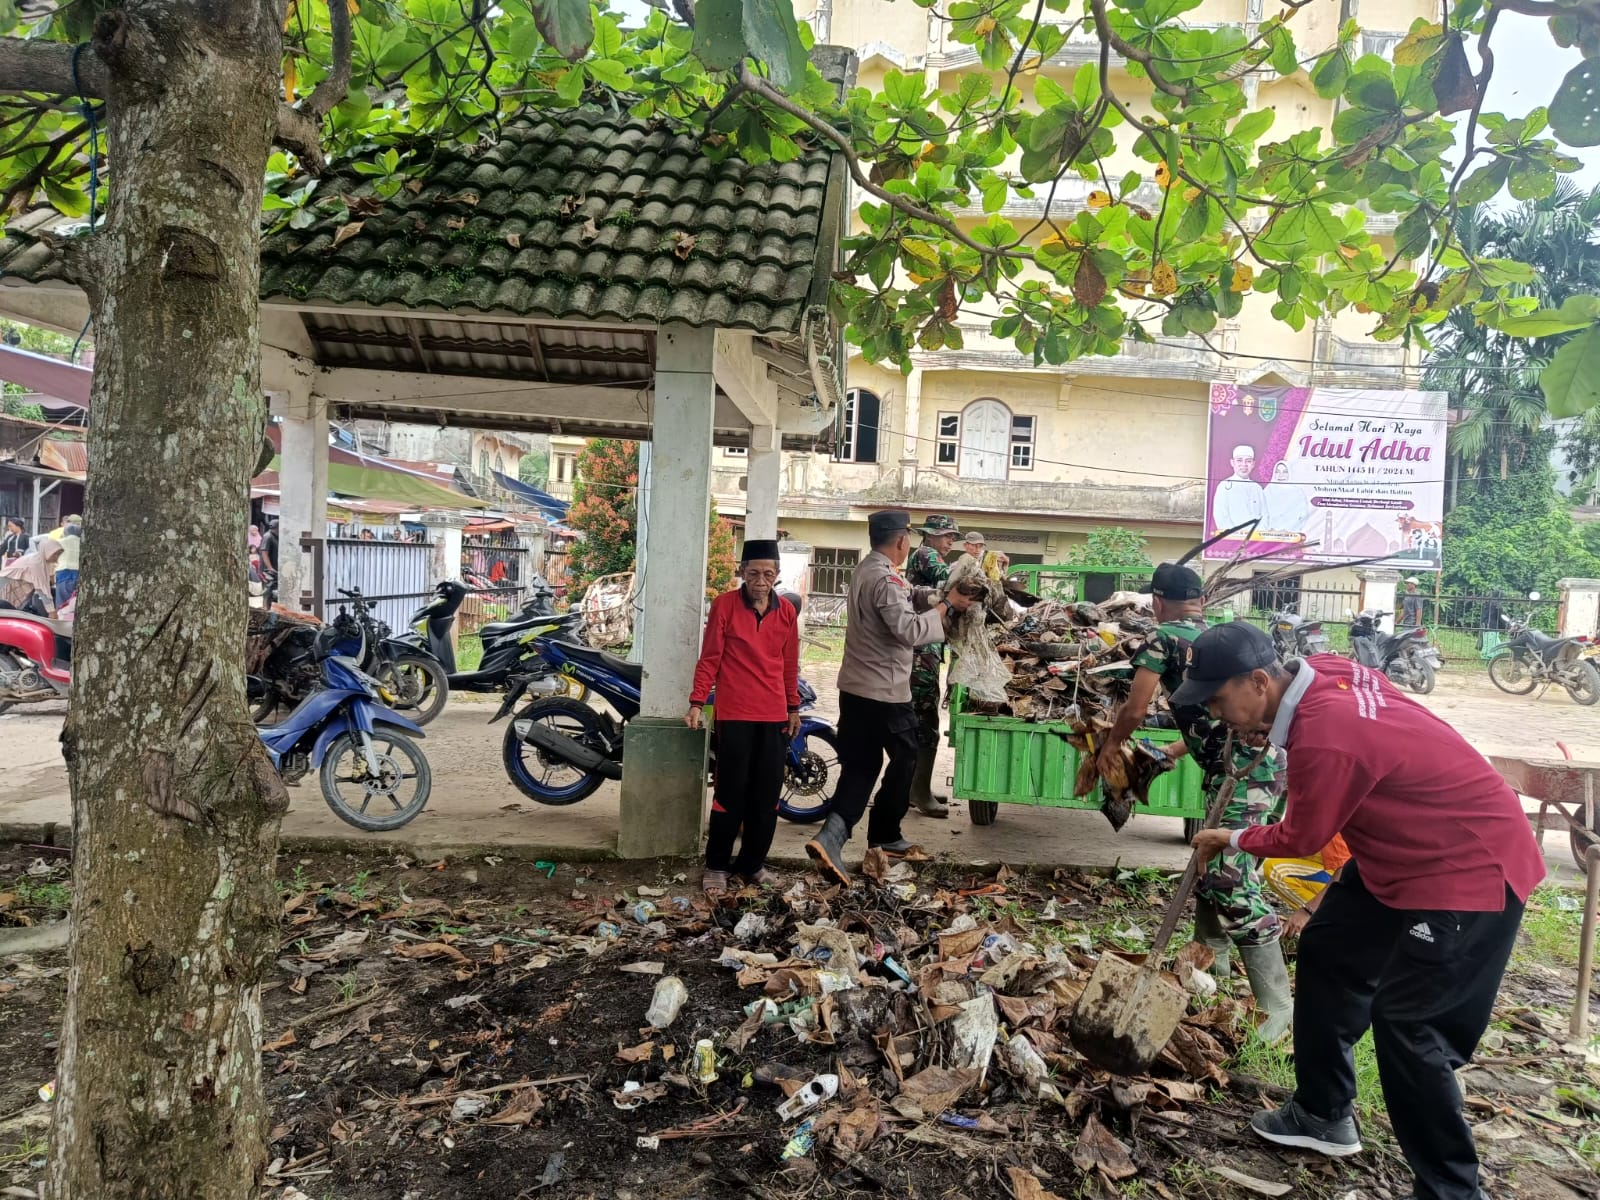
(936, 1021)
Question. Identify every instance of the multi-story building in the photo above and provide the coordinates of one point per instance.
(1035, 457)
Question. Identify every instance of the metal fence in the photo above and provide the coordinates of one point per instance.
(1313, 603)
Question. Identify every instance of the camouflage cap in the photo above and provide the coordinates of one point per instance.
(938, 523)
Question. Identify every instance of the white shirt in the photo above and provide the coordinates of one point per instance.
(1287, 506)
(1237, 501)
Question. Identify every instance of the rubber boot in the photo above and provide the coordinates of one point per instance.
(827, 848)
(922, 797)
(1269, 980)
(1208, 930)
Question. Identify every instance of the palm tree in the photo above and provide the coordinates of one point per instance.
(1493, 378)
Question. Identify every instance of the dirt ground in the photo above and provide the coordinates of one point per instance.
(465, 1029)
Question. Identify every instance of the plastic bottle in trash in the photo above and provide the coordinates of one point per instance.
(666, 1002)
(821, 1087)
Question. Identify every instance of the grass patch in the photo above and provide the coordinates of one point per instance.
(1274, 1064)
(1551, 927)
(469, 653)
(822, 645)
(28, 894)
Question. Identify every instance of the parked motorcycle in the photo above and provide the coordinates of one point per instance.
(1294, 636)
(1406, 656)
(414, 681)
(35, 658)
(371, 774)
(1529, 658)
(558, 750)
(509, 651)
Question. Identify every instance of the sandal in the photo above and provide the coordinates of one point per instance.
(762, 877)
(714, 883)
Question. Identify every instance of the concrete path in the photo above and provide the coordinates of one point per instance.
(475, 808)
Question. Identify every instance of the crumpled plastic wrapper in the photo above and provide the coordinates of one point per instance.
(978, 666)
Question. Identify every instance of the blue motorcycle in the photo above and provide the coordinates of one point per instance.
(558, 749)
(372, 774)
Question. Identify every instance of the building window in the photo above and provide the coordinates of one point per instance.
(949, 444)
(739, 451)
(986, 433)
(858, 430)
(830, 570)
(561, 468)
(1022, 443)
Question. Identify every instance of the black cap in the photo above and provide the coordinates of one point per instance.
(881, 525)
(759, 548)
(1172, 582)
(1221, 653)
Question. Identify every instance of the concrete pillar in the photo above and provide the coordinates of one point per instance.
(911, 421)
(762, 480)
(664, 762)
(794, 568)
(444, 538)
(1580, 606)
(303, 478)
(1378, 587)
(641, 536)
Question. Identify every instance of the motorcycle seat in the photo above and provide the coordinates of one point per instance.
(516, 625)
(1543, 642)
(631, 671)
(62, 629)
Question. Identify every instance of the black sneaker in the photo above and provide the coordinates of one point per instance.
(1292, 1125)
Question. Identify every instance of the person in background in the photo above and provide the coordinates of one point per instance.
(994, 563)
(70, 519)
(927, 568)
(269, 545)
(71, 540)
(1232, 911)
(1413, 938)
(750, 657)
(25, 582)
(1239, 498)
(368, 536)
(14, 543)
(886, 621)
(1411, 605)
(253, 537)
(1302, 882)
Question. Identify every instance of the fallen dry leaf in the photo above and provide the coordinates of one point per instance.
(741, 1037)
(1261, 1187)
(554, 1013)
(520, 1109)
(856, 1129)
(514, 240)
(636, 1054)
(469, 198)
(682, 245)
(430, 950)
(928, 1093)
(1099, 1150)
(875, 865)
(282, 1042)
(455, 223)
(346, 232)
(342, 1131)
(590, 230)
(1026, 1185)
(413, 186)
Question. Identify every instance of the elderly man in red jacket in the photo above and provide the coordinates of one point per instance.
(751, 657)
(1413, 938)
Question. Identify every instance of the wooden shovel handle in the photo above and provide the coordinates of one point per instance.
(1191, 873)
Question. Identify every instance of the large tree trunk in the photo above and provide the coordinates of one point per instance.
(176, 809)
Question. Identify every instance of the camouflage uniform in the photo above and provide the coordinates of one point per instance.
(925, 568)
(1233, 885)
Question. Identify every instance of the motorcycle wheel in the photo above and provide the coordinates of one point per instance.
(548, 780)
(420, 683)
(1422, 678)
(810, 781)
(11, 663)
(1584, 683)
(261, 711)
(1510, 674)
(400, 762)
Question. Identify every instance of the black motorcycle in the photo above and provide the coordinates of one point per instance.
(1529, 658)
(509, 652)
(1294, 636)
(1405, 657)
(414, 682)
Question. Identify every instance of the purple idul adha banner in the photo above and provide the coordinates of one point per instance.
(1332, 474)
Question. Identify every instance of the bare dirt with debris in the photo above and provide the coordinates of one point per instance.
(471, 1029)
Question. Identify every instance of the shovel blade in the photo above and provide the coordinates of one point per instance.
(1125, 1016)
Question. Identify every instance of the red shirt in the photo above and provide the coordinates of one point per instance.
(1431, 824)
(751, 659)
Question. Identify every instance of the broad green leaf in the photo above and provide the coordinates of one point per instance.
(718, 36)
(1418, 46)
(1330, 74)
(1252, 125)
(1193, 225)
(1353, 124)
(65, 198)
(1049, 93)
(901, 90)
(1579, 312)
(995, 193)
(568, 25)
(609, 72)
(570, 89)
(1372, 90)
(1086, 85)
(1575, 111)
(1571, 383)
(1531, 179)
(773, 38)
(1485, 182)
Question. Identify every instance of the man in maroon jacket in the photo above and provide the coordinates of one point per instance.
(1413, 938)
(751, 657)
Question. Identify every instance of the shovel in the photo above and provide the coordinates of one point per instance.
(1127, 1013)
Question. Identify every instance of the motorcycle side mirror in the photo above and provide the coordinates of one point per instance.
(1533, 595)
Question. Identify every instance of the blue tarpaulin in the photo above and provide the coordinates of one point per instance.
(555, 510)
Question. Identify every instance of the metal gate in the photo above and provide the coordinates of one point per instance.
(396, 576)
